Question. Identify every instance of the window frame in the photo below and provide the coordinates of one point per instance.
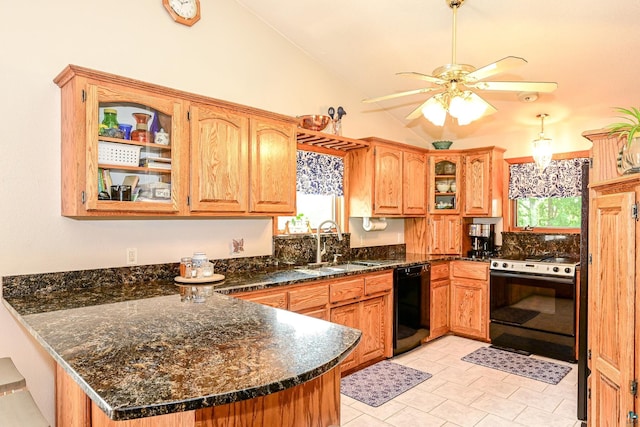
(345, 189)
(509, 213)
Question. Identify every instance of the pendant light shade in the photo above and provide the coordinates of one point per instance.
(542, 147)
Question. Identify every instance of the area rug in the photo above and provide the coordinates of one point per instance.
(518, 364)
(381, 382)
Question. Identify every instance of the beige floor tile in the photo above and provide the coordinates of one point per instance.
(420, 399)
(457, 376)
(494, 386)
(458, 393)
(347, 413)
(493, 421)
(525, 382)
(486, 372)
(544, 401)
(534, 417)
(366, 421)
(425, 365)
(381, 412)
(346, 400)
(498, 406)
(564, 390)
(458, 413)
(456, 362)
(567, 408)
(412, 417)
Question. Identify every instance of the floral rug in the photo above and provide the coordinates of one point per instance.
(518, 364)
(381, 382)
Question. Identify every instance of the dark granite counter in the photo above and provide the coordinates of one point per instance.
(157, 355)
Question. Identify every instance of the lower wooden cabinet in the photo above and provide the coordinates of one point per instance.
(362, 302)
(470, 299)
(439, 301)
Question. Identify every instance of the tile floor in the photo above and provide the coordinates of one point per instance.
(464, 394)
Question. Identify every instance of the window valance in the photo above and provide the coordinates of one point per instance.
(562, 178)
(319, 174)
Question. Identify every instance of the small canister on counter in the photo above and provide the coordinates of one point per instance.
(198, 261)
(185, 267)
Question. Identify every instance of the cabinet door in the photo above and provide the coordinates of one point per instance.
(414, 183)
(348, 315)
(275, 299)
(273, 167)
(373, 325)
(388, 182)
(444, 235)
(439, 309)
(219, 160)
(444, 184)
(612, 308)
(477, 197)
(469, 308)
(112, 158)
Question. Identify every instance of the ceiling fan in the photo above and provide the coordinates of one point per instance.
(455, 84)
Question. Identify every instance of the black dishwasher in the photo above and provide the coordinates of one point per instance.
(411, 297)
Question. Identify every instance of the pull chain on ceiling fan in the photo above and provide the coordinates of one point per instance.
(454, 83)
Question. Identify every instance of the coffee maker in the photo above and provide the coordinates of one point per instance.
(482, 240)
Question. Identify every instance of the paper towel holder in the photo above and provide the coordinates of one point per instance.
(374, 224)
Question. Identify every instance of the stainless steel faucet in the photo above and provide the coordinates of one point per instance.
(320, 252)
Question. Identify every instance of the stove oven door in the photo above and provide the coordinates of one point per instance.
(533, 313)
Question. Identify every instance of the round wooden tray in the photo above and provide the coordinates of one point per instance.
(199, 280)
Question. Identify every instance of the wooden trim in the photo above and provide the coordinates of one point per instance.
(556, 156)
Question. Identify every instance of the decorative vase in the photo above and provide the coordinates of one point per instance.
(629, 159)
(141, 134)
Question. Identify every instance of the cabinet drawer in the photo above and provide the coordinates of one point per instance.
(440, 271)
(309, 297)
(276, 300)
(470, 270)
(378, 283)
(346, 290)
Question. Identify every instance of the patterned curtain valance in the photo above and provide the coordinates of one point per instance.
(319, 174)
(562, 178)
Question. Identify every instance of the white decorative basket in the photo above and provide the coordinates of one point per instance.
(112, 153)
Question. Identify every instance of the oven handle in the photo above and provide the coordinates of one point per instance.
(554, 279)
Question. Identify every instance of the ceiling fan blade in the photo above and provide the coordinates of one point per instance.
(417, 112)
(399, 94)
(490, 108)
(543, 87)
(504, 64)
(425, 77)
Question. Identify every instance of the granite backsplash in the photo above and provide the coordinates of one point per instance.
(515, 244)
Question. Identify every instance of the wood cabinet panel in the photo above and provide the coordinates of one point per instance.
(387, 186)
(469, 308)
(445, 235)
(470, 270)
(373, 325)
(439, 308)
(414, 183)
(219, 160)
(440, 271)
(318, 313)
(348, 315)
(483, 182)
(345, 290)
(307, 297)
(378, 283)
(275, 299)
(273, 167)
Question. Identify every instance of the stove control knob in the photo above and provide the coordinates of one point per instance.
(567, 270)
(505, 265)
(556, 269)
(495, 264)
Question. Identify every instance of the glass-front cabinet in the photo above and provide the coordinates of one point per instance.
(444, 188)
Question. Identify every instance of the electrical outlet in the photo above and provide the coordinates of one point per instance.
(132, 256)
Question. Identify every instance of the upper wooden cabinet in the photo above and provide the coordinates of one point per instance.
(483, 182)
(386, 179)
(444, 183)
(222, 158)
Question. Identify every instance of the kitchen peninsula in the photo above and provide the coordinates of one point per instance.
(131, 352)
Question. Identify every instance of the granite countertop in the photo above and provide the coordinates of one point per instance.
(158, 355)
(137, 350)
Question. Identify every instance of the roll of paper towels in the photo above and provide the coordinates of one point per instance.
(369, 224)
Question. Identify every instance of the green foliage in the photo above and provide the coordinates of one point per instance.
(629, 128)
(549, 212)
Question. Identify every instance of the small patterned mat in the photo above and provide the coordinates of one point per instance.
(518, 364)
(381, 382)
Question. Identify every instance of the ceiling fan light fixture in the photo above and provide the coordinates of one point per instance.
(435, 110)
(542, 151)
(466, 108)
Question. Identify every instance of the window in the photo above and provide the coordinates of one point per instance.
(319, 189)
(552, 199)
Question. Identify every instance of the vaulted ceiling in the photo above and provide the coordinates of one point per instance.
(589, 47)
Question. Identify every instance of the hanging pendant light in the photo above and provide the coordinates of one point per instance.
(542, 147)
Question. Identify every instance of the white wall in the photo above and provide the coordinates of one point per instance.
(228, 55)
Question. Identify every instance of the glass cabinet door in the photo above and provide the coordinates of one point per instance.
(444, 188)
(132, 146)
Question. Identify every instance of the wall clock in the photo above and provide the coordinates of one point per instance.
(185, 12)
